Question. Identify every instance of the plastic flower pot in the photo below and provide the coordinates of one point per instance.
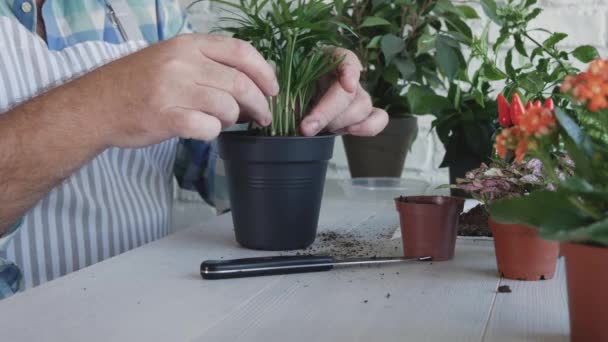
(382, 155)
(429, 225)
(521, 254)
(275, 186)
(587, 279)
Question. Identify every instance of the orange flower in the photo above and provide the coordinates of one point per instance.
(522, 149)
(538, 122)
(590, 87)
(501, 146)
(509, 140)
(597, 103)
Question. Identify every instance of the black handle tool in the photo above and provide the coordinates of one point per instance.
(262, 266)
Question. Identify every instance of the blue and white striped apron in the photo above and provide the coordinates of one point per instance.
(120, 200)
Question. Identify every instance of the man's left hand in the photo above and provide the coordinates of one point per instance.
(345, 107)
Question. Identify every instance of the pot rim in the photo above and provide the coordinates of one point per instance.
(245, 135)
(449, 200)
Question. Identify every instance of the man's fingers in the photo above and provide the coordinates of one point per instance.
(333, 102)
(213, 101)
(349, 71)
(358, 111)
(241, 56)
(371, 126)
(192, 124)
(250, 98)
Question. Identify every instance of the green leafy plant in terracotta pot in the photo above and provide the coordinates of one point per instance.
(275, 176)
(576, 211)
(402, 43)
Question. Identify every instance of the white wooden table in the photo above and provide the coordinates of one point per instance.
(155, 293)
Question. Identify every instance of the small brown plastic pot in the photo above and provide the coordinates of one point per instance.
(521, 254)
(587, 279)
(429, 225)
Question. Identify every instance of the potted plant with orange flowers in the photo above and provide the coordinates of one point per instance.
(576, 211)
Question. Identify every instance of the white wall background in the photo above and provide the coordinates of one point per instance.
(584, 20)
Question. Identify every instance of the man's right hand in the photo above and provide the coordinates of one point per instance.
(189, 86)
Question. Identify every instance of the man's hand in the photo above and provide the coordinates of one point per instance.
(345, 106)
(189, 86)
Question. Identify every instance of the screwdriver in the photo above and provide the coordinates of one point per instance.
(275, 265)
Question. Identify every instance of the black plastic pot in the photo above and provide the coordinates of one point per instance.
(383, 155)
(275, 186)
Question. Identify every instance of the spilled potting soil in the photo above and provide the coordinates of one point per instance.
(348, 244)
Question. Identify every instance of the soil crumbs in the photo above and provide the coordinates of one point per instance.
(504, 289)
(354, 245)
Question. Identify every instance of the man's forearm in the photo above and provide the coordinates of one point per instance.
(42, 142)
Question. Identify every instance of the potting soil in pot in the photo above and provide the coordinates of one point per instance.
(474, 223)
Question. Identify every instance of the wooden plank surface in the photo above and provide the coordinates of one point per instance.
(533, 311)
(155, 293)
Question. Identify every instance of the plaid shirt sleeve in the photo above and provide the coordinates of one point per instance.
(197, 163)
(11, 278)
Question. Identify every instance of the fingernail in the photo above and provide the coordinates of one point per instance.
(275, 87)
(313, 127)
(266, 121)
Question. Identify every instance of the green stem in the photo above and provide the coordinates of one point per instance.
(551, 53)
(288, 92)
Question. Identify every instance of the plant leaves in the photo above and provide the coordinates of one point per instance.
(574, 131)
(423, 100)
(447, 58)
(509, 64)
(532, 82)
(519, 45)
(535, 12)
(490, 9)
(585, 53)
(530, 3)
(391, 74)
(546, 210)
(584, 189)
(502, 37)
(492, 73)
(374, 43)
(374, 21)
(555, 38)
(391, 45)
(425, 43)
(468, 11)
(596, 232)
(458, 27)
(406, 67)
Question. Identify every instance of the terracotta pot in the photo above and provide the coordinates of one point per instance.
(587, 278)
(521, 254)
(429, 225)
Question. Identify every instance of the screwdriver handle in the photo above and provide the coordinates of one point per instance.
(262, 266)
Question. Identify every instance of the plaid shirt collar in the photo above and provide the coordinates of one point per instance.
(68, 22)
